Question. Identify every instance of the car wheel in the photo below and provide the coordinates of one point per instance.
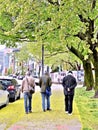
(13, 99)
(19, 96)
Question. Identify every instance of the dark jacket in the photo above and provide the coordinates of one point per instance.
(69, 81)
(44, 82)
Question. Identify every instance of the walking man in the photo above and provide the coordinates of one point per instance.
(44, 83)
(28, 82)
(69, 83)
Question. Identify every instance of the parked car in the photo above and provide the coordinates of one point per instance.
(4, 96)
(61, 75)
(11, 85)
(20, 77)
(13, 75)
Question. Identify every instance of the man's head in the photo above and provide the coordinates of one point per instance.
(70, 72)
(46, 73)
(28, 73)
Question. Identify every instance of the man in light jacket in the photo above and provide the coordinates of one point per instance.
(69, 83)
(28, 82)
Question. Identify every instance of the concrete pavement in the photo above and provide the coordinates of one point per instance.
(71, 122)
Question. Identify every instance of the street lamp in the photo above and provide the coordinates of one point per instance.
(42, 59)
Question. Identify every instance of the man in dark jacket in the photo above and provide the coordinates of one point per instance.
(44, 82)
(69, 83)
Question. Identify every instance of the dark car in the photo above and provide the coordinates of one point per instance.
(12, 75)
(20, 77)
(11, 85)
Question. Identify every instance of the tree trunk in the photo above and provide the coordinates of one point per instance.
(96, 94)
(88, 75)
(96, 78)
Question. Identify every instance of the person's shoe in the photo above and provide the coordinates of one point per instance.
(44, 110)
(66, 112)
(48, 109)
(30, 111)
(26, 112)
(69, 114)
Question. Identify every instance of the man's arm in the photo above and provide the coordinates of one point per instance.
(74, 84)
(32, 82)
(63, 82)
(40, 82)
(50, 81)
(22, 86)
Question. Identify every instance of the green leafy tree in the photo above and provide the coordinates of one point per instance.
(22, 58)
(76, 27)
(55, 24)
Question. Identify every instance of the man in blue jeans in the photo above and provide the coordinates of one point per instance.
(28, 82)
(44, 82)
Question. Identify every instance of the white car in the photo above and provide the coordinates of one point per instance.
(4, 96)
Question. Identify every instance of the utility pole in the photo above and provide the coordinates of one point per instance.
(42, 59)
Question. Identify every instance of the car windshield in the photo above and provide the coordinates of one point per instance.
(5, 82)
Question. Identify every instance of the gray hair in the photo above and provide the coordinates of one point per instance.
(28, 73)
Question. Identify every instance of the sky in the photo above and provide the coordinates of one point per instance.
(2, 47)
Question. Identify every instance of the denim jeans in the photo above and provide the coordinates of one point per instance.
(48, 102)
(30, 102)
(45, 101)
(27, 102)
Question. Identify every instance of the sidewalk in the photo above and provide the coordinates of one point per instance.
(56, 119)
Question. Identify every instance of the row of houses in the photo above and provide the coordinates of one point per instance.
(6, 59)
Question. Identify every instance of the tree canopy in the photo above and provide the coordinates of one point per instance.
(56, 24)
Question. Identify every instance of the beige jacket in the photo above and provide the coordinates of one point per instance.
(27, 81)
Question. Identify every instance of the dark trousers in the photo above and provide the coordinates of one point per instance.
(69, 103)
